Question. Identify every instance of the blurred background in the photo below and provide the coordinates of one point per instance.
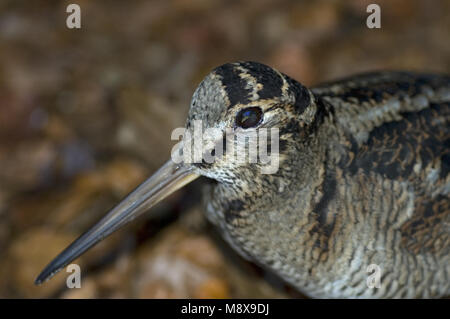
(86, 115)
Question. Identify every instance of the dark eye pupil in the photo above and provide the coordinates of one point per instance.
(249, 117)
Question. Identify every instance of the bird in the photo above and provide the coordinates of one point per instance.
(358, 206)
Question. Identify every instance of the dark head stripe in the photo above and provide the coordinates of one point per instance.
(236, 77)
(301, 94)
(233, 84)
(268, 77)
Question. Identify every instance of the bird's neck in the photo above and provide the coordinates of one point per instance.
(262, 216)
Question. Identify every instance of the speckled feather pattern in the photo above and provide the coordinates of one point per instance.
(363, 179)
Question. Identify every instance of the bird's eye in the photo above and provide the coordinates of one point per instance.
(249, 117)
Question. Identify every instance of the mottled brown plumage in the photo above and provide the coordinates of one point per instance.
(363, 180)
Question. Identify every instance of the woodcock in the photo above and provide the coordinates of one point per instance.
(362, 184)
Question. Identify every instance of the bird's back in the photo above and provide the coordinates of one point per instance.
(392, 168)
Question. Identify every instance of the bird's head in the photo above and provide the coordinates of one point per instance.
(248, 116)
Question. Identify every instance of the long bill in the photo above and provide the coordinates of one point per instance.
(169, 178)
